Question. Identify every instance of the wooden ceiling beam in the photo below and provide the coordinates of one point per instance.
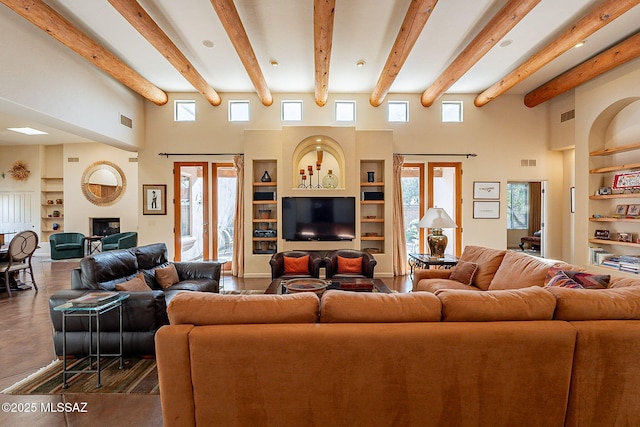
(606, 12)
(496, 29)
(323, 17)
(414, 21)
(232, 24)
(611, 58)
(52, 23)
(147, 27)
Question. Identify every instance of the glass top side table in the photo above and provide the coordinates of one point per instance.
(68, 310)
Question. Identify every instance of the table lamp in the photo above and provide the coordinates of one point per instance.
(436, 219)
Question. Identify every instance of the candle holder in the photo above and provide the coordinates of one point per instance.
(303, 178)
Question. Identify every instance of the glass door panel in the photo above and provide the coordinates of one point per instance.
(191, 211)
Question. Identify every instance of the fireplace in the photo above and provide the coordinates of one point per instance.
(104, 226)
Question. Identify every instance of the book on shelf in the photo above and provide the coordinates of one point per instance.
(593, 251)
(94, 299)
(612, 262)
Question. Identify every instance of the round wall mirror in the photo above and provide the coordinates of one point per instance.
(103, 183)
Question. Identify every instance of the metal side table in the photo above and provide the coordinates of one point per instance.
(91, 312)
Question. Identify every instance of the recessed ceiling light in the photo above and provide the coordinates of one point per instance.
(274, 63)
(580, 44)
(505, 43)
(360, 63)
(28, 131)
(208, 43)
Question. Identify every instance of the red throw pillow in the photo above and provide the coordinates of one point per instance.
(296, 265)
(349, 265)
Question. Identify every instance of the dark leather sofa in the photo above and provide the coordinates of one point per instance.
(143, 312)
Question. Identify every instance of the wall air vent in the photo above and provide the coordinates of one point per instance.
(73, 159)
(126, 121)
(569, 115)
(133, 160)
(528, 162)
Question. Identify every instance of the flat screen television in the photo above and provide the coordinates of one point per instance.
(318, 218)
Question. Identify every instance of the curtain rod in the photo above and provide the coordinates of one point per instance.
(467, 155)
(199, 154)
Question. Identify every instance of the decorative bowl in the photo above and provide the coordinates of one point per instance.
(316, 286)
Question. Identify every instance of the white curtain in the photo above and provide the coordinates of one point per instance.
(237, 265)
(399, 237)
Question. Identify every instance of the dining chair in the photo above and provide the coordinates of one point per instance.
(21, 249)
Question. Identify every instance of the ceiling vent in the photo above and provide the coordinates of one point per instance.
(126, 121)
(528, 162)
(569, 115)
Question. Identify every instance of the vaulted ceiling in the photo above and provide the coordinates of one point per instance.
(430, 47)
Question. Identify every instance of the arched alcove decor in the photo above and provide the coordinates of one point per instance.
(103, 183)
(598, 131)
(312, 149)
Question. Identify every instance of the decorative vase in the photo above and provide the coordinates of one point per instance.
(330, 180)
(266, 177)
(56, 214)
(55, 225)
(264, 213)
(371, 176)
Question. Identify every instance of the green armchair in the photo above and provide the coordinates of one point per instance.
(119, 241)
(66, 245)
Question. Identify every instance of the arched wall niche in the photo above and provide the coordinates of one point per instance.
(306, 154)
(602, 134)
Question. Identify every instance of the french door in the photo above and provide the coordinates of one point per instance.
(191, 207)
(445, 191)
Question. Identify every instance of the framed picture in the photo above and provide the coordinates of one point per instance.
(572, 195)
(622, 209)
(154, 199)
(486, 190)
(602, 234)
(634, 210)
(486, 210)
(625, 237)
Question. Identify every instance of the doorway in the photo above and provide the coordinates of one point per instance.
(525, 216)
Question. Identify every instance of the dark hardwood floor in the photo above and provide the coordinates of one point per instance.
(27, 346)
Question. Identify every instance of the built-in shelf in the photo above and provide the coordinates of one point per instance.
(608, 219)
(615, 168)
(264, 245)
(614, 243)
(614, 150)
(615, 196)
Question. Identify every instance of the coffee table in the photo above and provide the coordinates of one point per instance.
(378, 285)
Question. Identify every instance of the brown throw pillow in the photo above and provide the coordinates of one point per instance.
(296, 265)
(167, 276)
(137, 284)
(349, 265)
(464, 272)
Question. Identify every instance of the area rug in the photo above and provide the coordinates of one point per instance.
(139, 376)
(242, 292)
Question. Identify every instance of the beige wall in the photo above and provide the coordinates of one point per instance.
(501, 134)
(77, 208)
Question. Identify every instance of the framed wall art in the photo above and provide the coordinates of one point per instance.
(486, 210)
(634, 210)
(154, 199)
(621, 209)
(486, 190)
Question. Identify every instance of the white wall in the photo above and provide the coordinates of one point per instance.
(42, 79)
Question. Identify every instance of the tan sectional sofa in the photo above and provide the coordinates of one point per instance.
(518, 357)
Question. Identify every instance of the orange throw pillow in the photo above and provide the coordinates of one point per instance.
(296, 265)
(134, 285)
(167, 276)
(349, 265)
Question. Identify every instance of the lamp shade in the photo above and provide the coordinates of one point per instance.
(436, 218)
